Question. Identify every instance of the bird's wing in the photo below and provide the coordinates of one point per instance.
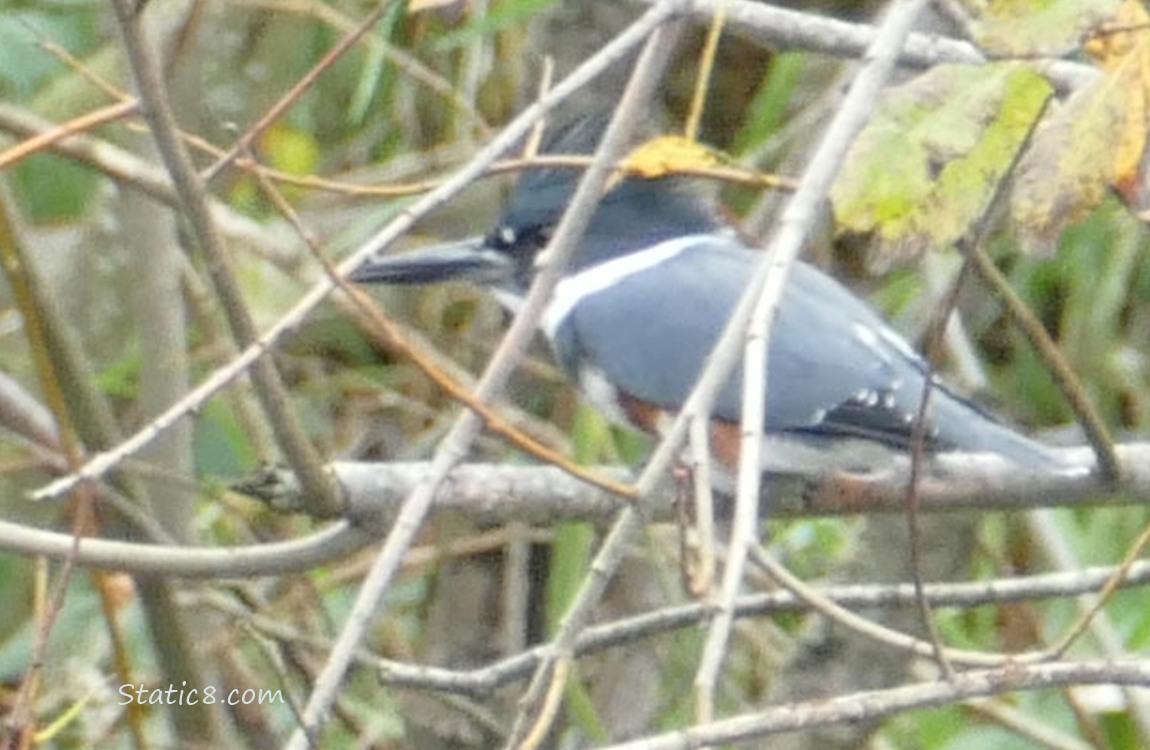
(832, 368)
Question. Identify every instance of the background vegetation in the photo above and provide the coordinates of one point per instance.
(1027, 140)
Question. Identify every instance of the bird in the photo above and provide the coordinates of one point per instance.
(646, 296)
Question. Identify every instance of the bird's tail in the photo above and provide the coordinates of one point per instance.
(987, 435)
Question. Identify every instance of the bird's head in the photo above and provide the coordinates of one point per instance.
(635, 213)
(504, 257)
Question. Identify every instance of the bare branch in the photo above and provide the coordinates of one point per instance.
(791, 29)
(500, 493)
(787, 242)
(269, 386)
(622, 632)
(273, 559)
(544, 495)
(454, 446)
(876, 704)
(135, 173)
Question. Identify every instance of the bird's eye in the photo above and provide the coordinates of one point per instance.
(502, 238)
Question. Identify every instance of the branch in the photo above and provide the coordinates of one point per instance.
(619, 633)
(269, 386)
(101, 463)
(273, 559)
(790, 29)
(876, 704)
(787, 242)
(455, 445)
(131, 171)
(545, 495)
(1054, 361)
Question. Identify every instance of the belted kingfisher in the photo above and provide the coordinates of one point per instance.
(648, 292)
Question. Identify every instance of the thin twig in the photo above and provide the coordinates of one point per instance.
(1092, 424)
(101, 463)
(698, 529)
(481, 681)
(134, 173)
(637, 95)
(406, 62)
(974, 237)
(1092, 616)
(272, 559)
(454, 445)
(81, 124)
(493, 420)
(1103, 597)
(872, 705)
(787, 242)
(880, 633)
(627, 631)
(1050, 736)
(273, 396)
(791, 29)
(42, 330)
(296, 91)
(703, 77)
(918, 460)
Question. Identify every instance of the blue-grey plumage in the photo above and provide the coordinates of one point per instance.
(651, 286)
(838, 374)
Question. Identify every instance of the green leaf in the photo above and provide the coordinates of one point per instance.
(771, 102)
(1028, 28)
(502, 17)
(571, 553)
(924, 169)
(53, 188)
(221, 446)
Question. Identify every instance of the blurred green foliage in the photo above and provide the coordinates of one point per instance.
(408, 104)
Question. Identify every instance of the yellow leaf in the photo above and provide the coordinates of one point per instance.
(1120, 36)
(1122, 47)
(670, 154)
(289, 149)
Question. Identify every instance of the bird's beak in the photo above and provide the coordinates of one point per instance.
(470, 260)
